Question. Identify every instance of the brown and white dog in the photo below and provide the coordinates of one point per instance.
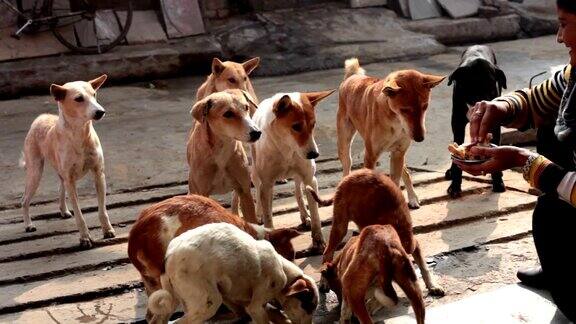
(219, 264)
(388, 113)
(216, 157)
(287, 149)
(364, 271)
(229, 75)
(366, 198)
(70, 144)
(158, 224)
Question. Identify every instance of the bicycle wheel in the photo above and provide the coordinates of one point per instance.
(90, 26)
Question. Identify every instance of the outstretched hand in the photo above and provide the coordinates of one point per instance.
(499, 159)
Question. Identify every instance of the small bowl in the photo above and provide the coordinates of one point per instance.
(455, 158)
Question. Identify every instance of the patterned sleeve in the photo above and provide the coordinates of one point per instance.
(539, 105)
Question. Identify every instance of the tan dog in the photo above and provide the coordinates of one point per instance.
(229, 75)
(158, 224)
(70, 144)
(216, 157)
(366, 197)
(364, 271)
(388, 113)
(287, 149)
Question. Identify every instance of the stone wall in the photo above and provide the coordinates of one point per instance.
(219, 9)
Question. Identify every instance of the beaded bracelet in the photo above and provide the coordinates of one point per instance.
(528, 165)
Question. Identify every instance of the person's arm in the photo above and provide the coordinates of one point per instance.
(549, 177)
(536, 106)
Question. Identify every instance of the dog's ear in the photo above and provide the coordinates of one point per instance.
(500, 78)
(391, 88)
(97, 83)
(58, 92)
(456, 74)
(253, 105)
(316, 97)
(282, 106)
(217, 66)
(298, 286)
(431, 81)
(251, 64)
(201, 109)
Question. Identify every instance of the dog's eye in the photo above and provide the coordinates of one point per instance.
(79, 99)
(247, 107)
(232, 80)
(228, 114)
(297, 127)
(245, 78)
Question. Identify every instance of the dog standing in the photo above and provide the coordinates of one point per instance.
(477, 78)
(287, 149)
(366, 197)
(388, 113)
(219, 264)
(158, 224)
(70, 144)
(365, 269)
(216, 157)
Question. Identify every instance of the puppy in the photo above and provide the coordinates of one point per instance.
(287, 149)
(216, 157)
(229, 75)
(388, 113)
(70, 144)
(203, 268)
(161, 222)
(366, 197)
(477, 78)
(366, 268)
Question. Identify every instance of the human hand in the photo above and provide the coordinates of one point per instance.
(500, 158)
(484, 116)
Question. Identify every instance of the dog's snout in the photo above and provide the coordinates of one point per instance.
(312, 155)
(255, 135)
(99, 114)
(419, 138)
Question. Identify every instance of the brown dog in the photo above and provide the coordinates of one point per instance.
(388, 113)
(369, 198)
(229, 75)
(366, 268)
(158, 224)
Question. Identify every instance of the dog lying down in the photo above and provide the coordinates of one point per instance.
(219, 264)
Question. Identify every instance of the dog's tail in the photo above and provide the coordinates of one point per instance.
(320, 201)
(22, 161)
(402, 272)
(163, 302)
(351, 67)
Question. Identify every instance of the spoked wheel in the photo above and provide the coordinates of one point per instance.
(90, 26)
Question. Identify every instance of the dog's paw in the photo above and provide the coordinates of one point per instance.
(415, 204)
(30, 229)
(498, 186)
(448, 174)
(85, 243)
(454, 191)
(109, 234)
(436, 291)
(65, 215)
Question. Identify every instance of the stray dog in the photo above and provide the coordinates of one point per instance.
(370, 198)
(477, 78)
(161, 222)
(287, 149)
(229, 75)
(70, 144)
(365, 269)
(216, 157)
(388, 113)
(219, 264)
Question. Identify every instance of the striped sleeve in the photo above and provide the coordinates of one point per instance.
(539, 105)
(567, 188)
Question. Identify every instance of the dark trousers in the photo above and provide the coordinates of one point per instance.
(554, 231)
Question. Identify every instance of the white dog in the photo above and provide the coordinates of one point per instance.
(70, 144)
(218, 264)
(287, 149)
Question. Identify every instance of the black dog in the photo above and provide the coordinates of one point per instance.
(477, 78)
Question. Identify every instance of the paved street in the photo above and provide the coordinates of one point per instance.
(474, 243)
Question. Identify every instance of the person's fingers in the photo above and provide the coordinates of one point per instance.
(486, 124)
(478, 169)
(484, 151)
(475, 115)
